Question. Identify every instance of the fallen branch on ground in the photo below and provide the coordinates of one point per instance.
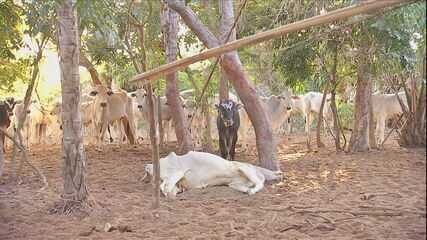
(25, 158)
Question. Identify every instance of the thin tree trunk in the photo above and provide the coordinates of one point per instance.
(22, 118)
(336, 127)
(207, 146)
(72, 141)
(320, 116)
(170, 31)
(333, 98)
(154, 131)
(359, 141)
(246, 91)
(225, 24)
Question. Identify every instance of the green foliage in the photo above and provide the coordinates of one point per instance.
(11, 72)
(10, 34)
(398, 35)
(345, 113)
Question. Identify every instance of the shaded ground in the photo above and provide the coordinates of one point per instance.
(375, 195)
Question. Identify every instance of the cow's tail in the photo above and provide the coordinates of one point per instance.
(268, 174)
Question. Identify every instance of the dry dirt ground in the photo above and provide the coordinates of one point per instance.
(375, 195)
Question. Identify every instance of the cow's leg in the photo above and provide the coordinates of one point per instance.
(288, 126)
(307, 127)
(3, 138)
(240, 185)
(44, 133)
(233, 145)
(104, 128)
(168, 186)
(251, 174)
(380, 128)
(222, 146)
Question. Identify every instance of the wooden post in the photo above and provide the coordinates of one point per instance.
(154, 137)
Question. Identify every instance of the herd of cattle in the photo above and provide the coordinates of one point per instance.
(124, 116)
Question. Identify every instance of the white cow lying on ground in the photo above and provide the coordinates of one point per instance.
(384, 107)
(200, 170)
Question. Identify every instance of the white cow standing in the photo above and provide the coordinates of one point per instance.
(307, 105)
(109, 107)
(200, 170)
(384, 107)
(276, 108)
(143, 108)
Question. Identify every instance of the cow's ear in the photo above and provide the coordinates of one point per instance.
(166, 103)
(133, 94)
(109, 92)
(93, 93)
(239, 106)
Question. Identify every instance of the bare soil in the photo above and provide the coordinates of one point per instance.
(325, 195)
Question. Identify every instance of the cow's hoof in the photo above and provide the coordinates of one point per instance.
(251, 191)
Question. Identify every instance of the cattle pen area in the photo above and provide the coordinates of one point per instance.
(213, 119)
(324, 195)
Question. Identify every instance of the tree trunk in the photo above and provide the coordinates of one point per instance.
(170, 31)
(241, 83)
(72, 140)
(359, 141)
(207, 143)
(22, 118)
(334, 82)
(413, 133)
(154, 131)
(225, 25)
(320, 116)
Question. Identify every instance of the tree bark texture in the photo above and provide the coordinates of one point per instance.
(413, 133)
(74, 168)
(236, 74)
(170, 31)
(359, 141)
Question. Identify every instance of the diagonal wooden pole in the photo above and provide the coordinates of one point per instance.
(369, 6)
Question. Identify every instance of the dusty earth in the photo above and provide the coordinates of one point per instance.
(375, 195)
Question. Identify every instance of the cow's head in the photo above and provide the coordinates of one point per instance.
(56, 109)
(139, 96)
(10, 105)
(101, 94)
(226, 111)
